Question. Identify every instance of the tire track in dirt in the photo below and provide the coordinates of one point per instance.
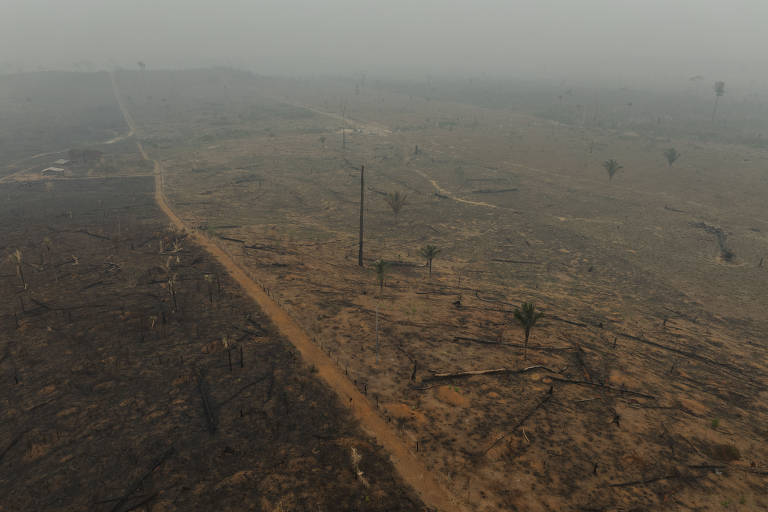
(408, 465)
(380, 130)
(447, 193)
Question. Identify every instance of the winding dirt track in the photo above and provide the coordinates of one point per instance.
(408, 465)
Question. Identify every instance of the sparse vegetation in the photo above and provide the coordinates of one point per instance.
(527, 316)
(612, 167)
(672, 156)
(381, 267)
(396, 200)
(429, 253)
(719, 89)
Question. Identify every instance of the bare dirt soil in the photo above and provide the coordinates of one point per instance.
(645, 385)
(137, 376)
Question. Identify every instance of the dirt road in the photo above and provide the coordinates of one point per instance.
(408, 465)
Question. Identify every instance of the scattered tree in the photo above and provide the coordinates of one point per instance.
(672, 156)
(719, 89)
(381, 268)
(396, 201)
(429, 252)
(612, 166)
(527, 316)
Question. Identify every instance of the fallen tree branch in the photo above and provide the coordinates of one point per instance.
(565, 321)
(210, 417)
(583, 364)
(493, 191)
(517, 425)
(512, 345)
(13, 443)
(690, 355)
(94, 235)
(141, 503)
(645, 481)
(671, 476)
(137, 483)
(521, 262)
(230, 239)
(236, 393)
(602, 386)
(473, 373)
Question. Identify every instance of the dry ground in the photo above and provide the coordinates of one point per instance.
(653, 347)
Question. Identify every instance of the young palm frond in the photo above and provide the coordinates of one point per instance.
(527, 316)
(672, 155)
(612, 166)
(429, 252)
(396, 201)
(381, 267)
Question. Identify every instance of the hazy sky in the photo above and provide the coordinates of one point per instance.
(613, 39)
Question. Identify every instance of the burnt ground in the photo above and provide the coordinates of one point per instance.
(123, 385)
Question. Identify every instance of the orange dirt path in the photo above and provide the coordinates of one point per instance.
(408, 465)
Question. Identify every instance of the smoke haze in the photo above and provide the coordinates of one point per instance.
(618, 41)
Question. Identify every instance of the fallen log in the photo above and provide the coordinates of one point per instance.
(230, 239)
(476, 340)
(690, 355)
(141, 503)
(512, 345)
(671, 476)
(137, 483)
(41, 304)
(517, 425)
(583, 364)
(210, 417)
(565, 321)
(88, 287)
(494, 191)
(239, 391)
(473, 373)
(13, 443)
(522, 262)
(602, 386)
(94, 235)
(645, 481)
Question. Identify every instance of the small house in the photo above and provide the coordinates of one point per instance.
(52, 171)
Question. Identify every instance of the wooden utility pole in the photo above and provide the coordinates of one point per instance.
(377, 331)
(362, 200)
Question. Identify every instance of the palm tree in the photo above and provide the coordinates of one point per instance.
(719, 89)
(428, 252)
(672, 156)
(396, 201)
(527, 316)
(612, 166)
(381, 267)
